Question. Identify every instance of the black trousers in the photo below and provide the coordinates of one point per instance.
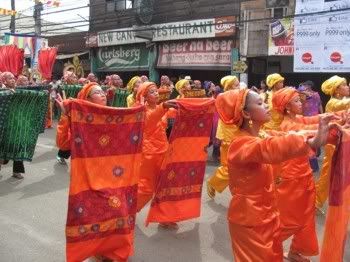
(18, 166)
(63, 154)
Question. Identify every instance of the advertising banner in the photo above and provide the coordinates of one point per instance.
(212, 54)
(322, 41)
(281, 37)
(130, 57)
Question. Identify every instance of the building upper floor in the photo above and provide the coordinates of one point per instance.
(114, 14)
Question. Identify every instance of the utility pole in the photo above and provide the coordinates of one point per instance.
(13, 18)
(37, 16)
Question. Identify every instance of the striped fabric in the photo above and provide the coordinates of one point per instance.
(106, 144)
(23, 122)
(179, 186)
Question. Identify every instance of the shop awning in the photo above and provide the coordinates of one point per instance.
(65, 56)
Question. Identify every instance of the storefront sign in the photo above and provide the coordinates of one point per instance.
(121, 58)
(322, 42)
(205, 28)
(239, 67)
(208, 53)
(281, 37)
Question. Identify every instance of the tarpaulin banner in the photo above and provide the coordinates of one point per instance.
(322, 41)
(281, 37)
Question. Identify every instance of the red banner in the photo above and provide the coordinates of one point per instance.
(11, 59)
(47, 58)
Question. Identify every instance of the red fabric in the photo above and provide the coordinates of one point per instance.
(11, 59)
(47, 58)
(105, 144)
(338, 213)
(179, 186)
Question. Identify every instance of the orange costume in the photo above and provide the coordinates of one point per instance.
(219, 181)
(103, 178)
(295, 186)
(63, 135)
(155, 145)
(253, 215)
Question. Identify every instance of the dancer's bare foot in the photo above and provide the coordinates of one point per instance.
(319, 211)
(297, 257)
(169, 225)
(17, 176)
(210, 190)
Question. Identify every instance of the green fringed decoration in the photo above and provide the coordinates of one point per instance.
(44, 88)
(35, 88)
(120, 98)
(5, 102)
(71, 90)
(25, 120)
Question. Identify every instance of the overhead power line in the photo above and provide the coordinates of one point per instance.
(149, 27)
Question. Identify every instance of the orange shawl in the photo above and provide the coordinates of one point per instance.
(105, 144)
(338, 214)
(179, 185)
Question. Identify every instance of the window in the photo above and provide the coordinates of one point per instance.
(123, 4)
(118, 5)
(278, 12)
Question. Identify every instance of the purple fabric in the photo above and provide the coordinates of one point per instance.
(213, 138)
(312, 104)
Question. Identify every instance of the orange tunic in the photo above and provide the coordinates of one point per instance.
(296, 195)
(253, 215)
(63, 134)
(155, 145)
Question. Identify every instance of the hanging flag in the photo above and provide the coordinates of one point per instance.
(4, 11)
(49, 3)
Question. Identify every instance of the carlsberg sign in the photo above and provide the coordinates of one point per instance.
(122, 57)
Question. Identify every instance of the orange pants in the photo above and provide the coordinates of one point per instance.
(257, 243)
(219, 181)
(149, 171)
(296, 203)
(322, 185)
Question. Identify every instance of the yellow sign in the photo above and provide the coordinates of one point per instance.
(239, 66)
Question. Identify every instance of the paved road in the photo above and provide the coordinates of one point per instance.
(33, 213)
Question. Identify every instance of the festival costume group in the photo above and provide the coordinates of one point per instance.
(264, 160)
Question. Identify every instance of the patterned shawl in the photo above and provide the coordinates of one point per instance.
(179, 185)
(105, 145)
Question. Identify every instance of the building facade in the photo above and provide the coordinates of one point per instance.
(155, 37)
(262, 55)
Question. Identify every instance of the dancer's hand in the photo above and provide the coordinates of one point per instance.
(170, 104)
(322, 133)
(59, 102)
